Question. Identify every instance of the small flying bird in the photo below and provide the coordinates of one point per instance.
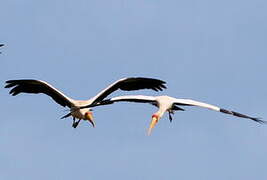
(170, 105)
(1, 46)
(38, 86)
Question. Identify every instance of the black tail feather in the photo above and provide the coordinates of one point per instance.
(177, 108)
(67, 115)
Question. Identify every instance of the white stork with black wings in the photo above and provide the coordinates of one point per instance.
(38, 86)
(170, 105)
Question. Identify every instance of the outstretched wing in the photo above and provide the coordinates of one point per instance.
(130, 98)
(130, 84)
(189, 102)
(37, 86)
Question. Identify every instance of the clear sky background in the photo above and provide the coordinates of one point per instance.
(212, 51)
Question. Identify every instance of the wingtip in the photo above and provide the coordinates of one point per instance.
(163, 82)
(10, 83)
(259, 120)
(7, 83)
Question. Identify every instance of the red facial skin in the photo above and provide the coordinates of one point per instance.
(155, 116)
(89, 112)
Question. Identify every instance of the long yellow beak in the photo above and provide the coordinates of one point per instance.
(90, 118)
(154, 121)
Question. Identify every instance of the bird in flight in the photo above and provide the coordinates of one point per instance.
(170, 105)
(37, 86)
(1, 46)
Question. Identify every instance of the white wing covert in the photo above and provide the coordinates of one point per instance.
(189, 102)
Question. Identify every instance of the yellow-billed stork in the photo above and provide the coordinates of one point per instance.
(125, 84)
(170, 105)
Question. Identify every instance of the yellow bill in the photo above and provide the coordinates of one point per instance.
(90, 118)
(154, 121)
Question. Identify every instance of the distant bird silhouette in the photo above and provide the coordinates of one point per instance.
(1, 46)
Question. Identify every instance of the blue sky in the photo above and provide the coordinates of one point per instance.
(212, 51)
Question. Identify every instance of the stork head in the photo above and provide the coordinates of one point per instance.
(154, 121)
(89, 116)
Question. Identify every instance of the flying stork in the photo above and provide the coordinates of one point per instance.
(170, 105)
(38, 86)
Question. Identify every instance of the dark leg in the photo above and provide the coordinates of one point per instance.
(170, 114)
(75, 124)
